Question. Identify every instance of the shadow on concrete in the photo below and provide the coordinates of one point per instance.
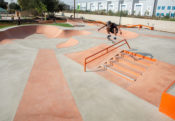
(113, 42)
(145, 54)
(17, 32)
(141, 53)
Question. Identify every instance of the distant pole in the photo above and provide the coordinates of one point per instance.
(120, 13)
(74, 9)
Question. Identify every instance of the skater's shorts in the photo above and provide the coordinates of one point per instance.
(112, 30)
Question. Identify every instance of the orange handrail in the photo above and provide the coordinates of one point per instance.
(103, 50)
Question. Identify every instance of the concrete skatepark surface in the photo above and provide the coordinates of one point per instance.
(40, 82)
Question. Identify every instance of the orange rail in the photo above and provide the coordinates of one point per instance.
(167, 104)
(149, 27)
(123, 26)
(139, 26)
(95, 22)
(106, 50)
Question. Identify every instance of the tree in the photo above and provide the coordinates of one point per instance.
(36, 5)
(14, 6)
(51, 5)
(62, 6)
(25, 4)
(3, 4)
(41, 6)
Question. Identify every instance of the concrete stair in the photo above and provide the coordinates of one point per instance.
(127, 65)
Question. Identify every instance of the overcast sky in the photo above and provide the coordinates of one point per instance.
(10, 0)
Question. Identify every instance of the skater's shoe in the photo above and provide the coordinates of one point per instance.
(109, 36)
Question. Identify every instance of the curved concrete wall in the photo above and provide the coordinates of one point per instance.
(49, 31)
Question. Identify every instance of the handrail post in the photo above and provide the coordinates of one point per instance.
(127, 44)
(85, 65)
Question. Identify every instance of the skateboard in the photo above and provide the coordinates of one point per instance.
(110, 39)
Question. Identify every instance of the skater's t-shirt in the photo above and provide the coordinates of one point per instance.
(113, 25)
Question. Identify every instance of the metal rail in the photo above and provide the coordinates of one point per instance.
(105, 50)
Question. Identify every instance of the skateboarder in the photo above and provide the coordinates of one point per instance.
(19, 21)
(111, 28)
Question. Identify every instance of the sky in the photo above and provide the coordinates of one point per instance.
(10, 0)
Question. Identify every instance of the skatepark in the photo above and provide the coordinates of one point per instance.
(53, 73)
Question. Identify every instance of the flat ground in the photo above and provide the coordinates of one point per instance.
(39, 82)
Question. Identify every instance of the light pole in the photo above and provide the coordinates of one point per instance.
(74, 9)
(120, 13)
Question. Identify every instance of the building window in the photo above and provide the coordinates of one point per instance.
(123, 5)
(158, 14)
(172, 14)
(138, 5)
(162, 14)
(169, 8)
(158, 7)
(163, 7)
(173, 8)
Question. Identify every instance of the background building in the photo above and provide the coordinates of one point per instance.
(165, 8)
(135, 7)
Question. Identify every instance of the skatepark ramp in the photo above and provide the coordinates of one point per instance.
(167, 105)
(104, 52)
(125, 64)
(76, 22)
(49, 31)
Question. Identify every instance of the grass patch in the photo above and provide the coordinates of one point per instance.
(4, 26)
(62, 24)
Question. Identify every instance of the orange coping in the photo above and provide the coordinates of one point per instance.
(139, 26)
(123, 26)
(138, 55)
(47, 96)
(149, 27)
(125, 34)
(167, 105)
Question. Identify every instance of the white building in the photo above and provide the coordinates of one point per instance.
(165, 7)
(136, 7)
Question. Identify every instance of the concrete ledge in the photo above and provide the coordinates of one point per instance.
(160, 25)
